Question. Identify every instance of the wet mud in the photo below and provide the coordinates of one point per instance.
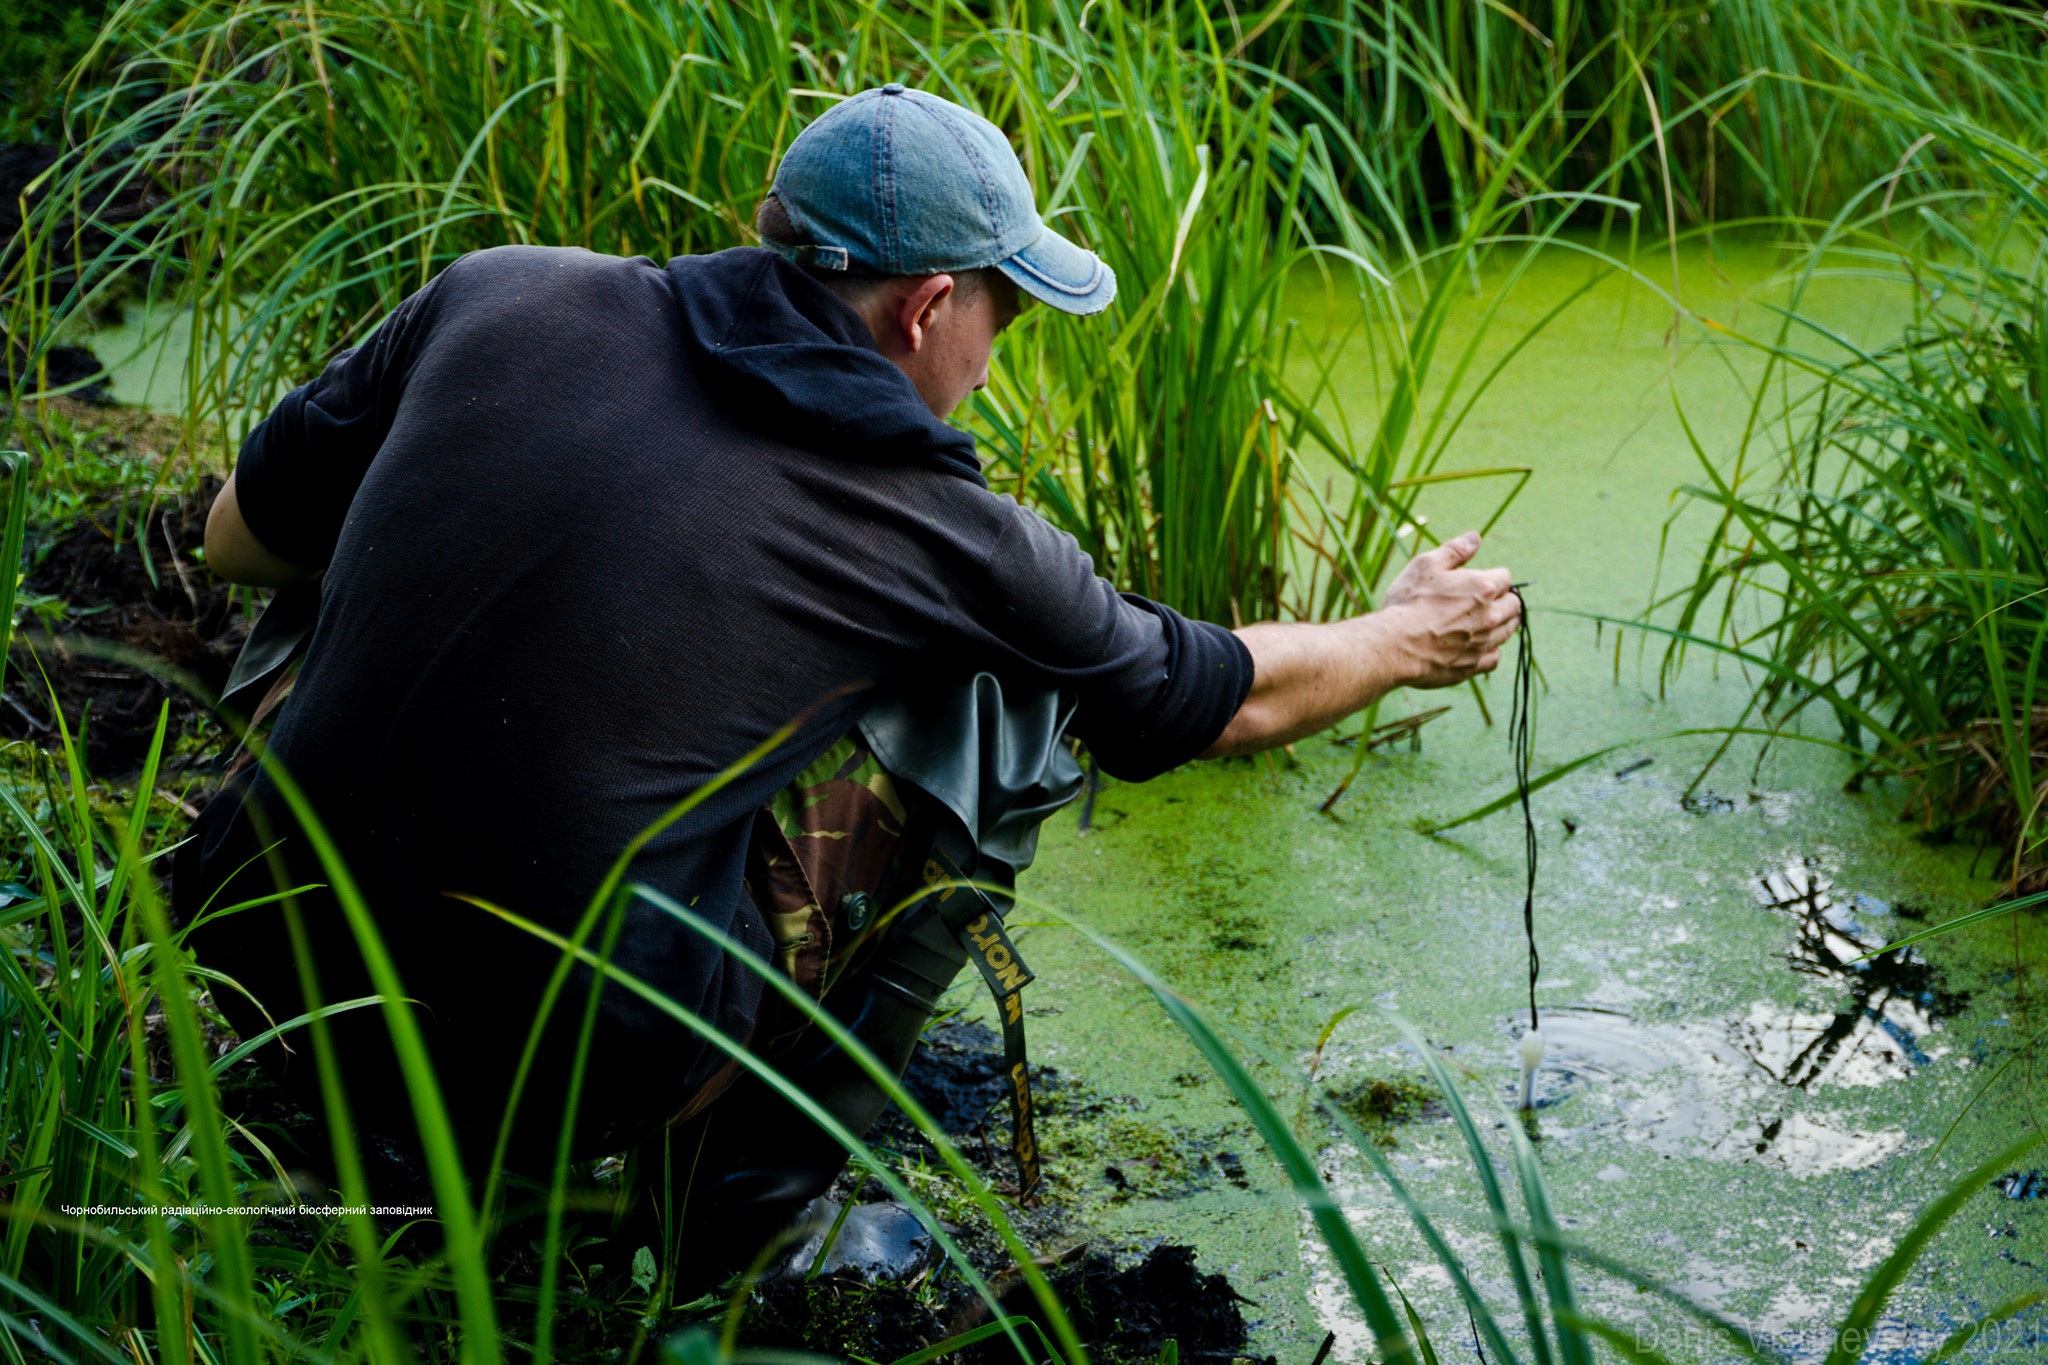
(1128, 1313)
(1125, 1310)
(1126, 1303)
(957, 1074)
(120, 618)
(877, 1287)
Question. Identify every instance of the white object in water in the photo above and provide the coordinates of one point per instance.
(1532, 1057)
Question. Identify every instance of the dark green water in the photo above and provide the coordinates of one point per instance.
(1727, 1104)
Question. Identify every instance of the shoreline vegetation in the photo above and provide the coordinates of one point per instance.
(280, 175)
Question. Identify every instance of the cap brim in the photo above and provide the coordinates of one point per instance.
(1056, 272)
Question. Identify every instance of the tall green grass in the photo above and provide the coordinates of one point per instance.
(1879, 545)
(311, 168)
(41, 41)
(307, 168)
(1434, 93)
(1176, 445)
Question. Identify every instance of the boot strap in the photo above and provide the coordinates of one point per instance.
(975, 921)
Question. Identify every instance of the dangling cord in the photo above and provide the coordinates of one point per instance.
(1522, 744)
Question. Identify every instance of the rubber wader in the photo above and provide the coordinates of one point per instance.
(986, 769)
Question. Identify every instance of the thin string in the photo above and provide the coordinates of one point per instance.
(1522, 744)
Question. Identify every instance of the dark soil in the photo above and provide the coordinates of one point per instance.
(1127, 1314)
(957, 1074)
(19, 164)
(137, 610)
(63, 366)
(1123, 1312)
(842, 1316)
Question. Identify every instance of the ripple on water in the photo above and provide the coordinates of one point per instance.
(1735, 1089)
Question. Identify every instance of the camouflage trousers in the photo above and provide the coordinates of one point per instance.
(824, 852)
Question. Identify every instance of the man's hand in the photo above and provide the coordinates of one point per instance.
(1450, 621)
(1442, 624)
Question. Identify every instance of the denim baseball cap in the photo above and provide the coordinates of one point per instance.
(898, 182)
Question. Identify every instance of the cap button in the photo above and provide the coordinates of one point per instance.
(893, 88)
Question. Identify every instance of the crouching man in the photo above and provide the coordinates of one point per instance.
(587, 532)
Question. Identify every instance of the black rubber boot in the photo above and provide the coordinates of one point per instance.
(758, 1160)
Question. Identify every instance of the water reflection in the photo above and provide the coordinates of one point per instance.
(1727, 1089)
(1894, 999)
(1686, 1091)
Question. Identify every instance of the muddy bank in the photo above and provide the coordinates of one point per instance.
(1124, 1309)
(1125, 1301)
(889, 1296)
(117, 607)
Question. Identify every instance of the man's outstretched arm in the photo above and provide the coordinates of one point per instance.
(1442, 624)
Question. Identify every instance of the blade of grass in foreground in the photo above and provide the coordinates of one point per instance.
(1960, 921)
(1489, 1183)
(1557, 1281)
(606, 898)
(1968, 1332)
(1480, 1315)
(820, 1018)
(480, 1342)
(15, 467)
(1390, 1332)
(1857, 1327)
(226, 1232)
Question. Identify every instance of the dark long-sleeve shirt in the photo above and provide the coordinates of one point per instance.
(593, 530)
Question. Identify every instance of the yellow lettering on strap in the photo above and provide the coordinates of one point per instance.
(1002, 967)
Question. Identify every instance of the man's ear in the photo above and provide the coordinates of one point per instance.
(916, 309)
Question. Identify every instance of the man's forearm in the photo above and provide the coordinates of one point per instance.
(1306, 678)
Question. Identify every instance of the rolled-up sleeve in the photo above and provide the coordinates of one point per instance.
(1156, 689)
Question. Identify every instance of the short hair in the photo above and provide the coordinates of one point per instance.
(773, 224)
